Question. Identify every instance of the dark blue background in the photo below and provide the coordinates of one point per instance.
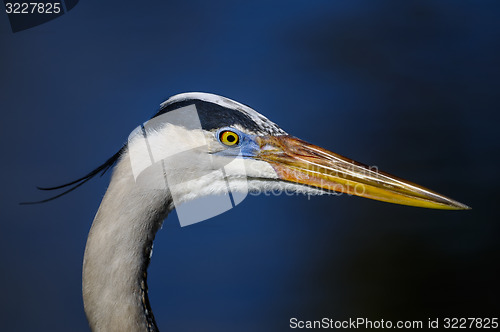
(412, 87)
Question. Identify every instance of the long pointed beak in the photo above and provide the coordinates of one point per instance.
(297, 161)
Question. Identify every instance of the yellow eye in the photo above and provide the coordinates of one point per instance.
(229, 138)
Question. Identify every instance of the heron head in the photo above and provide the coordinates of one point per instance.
(207, 134)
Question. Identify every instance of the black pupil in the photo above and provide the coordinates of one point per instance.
(231, 138)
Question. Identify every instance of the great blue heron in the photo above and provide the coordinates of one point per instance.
(219, 132)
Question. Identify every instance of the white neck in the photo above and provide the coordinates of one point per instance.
(118, 252)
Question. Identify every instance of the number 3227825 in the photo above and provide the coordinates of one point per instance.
(32, 8)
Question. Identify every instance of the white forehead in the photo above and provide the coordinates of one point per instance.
(258, 118)
(209, 97)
